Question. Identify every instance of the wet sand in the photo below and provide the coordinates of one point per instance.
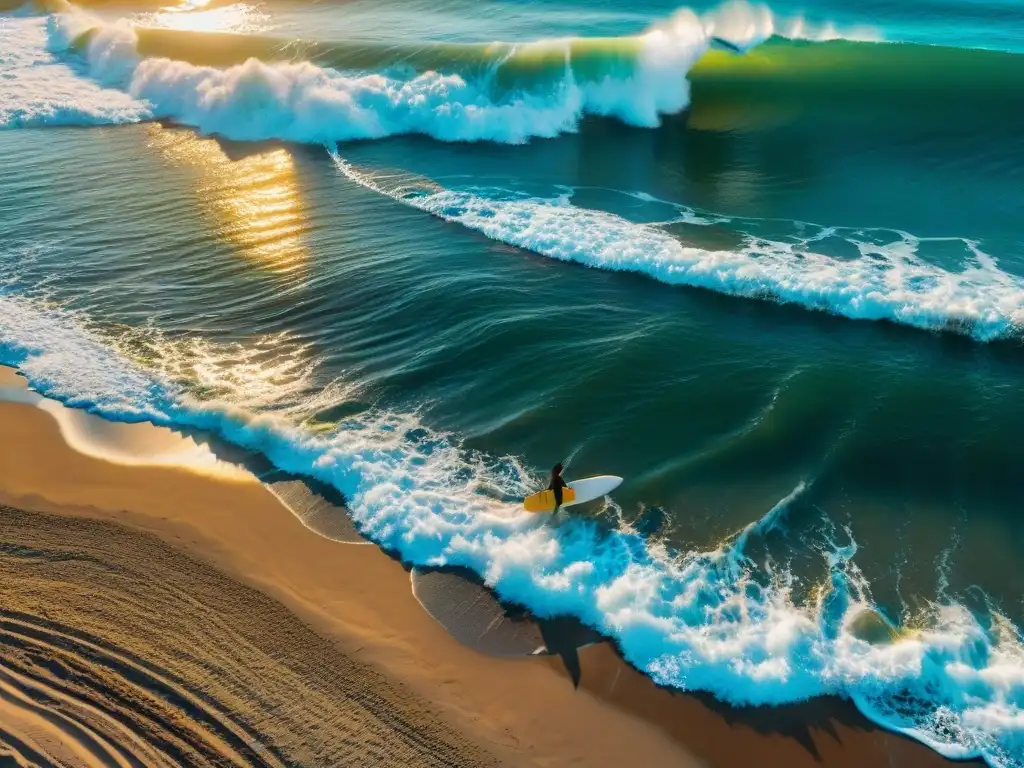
(160, 614)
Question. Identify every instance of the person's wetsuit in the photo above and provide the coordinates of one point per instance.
(556, 485)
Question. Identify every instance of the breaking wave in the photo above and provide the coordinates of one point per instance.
(718, 621)
(889, 280)
(73, 68)
(249, 87)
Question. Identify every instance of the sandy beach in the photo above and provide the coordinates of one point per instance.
(174, 612)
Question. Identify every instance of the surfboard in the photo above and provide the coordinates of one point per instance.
(578, 492)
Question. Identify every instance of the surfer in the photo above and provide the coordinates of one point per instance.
(556, 485)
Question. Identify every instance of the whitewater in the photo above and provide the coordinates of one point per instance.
(306, 103)
(890, 281)
(303, 102)
(713, 621)
(109, 82)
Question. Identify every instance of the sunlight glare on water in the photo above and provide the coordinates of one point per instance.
(254, 202)
(197, 16)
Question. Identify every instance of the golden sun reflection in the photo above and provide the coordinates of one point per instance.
(254, 201)
(198, 16)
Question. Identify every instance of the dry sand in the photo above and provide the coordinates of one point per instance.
(161, 614)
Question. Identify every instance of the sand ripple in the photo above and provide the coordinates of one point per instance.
(116, 650)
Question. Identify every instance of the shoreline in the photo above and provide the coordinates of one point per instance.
(358, 600)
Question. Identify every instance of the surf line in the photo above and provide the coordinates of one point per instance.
(352, 174)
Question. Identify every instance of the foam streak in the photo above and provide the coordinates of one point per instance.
(887, 283)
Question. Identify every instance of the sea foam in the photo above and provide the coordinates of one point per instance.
(889, 281)
(90, 70)
(40, 88)
(306, 103)
(711, 621)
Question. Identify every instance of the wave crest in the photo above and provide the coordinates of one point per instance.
(889, 280)
(252, 88)
(308, 103)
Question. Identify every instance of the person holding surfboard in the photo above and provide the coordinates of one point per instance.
(557, 484)
(560, 494)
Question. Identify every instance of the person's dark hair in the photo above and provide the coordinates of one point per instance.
(557, 470)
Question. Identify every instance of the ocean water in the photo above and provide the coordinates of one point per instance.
(765, 263)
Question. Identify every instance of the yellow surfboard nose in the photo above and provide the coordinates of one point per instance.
(544, 501)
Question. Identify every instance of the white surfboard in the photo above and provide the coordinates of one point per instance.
(590, 488)
(587, 489)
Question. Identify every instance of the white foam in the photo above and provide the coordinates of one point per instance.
(38, 87)
(746, 24)
(889, 282)
(704, 621)
(306, 103)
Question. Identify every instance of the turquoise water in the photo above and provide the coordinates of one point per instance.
(766, 265)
